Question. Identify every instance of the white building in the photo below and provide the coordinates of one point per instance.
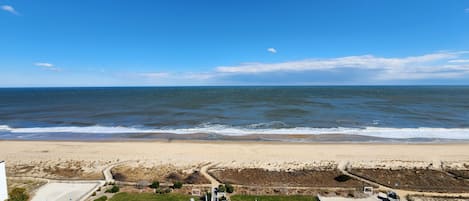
(3, 182)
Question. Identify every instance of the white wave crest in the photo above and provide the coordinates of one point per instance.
(398, 133)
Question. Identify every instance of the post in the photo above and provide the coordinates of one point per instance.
(3, 182)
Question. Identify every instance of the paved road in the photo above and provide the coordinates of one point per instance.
(71, 190)
(64, 191)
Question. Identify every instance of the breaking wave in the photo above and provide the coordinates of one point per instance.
(398, 133)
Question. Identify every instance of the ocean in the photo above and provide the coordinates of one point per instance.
(399, 112)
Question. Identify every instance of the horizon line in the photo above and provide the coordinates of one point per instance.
(189, 86)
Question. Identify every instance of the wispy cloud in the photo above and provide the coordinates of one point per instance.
(466, 10)
(154, 75)
(9, 9)
(459, 61)
(435, 65)
(47, 66)
(199, 76)
(272, 50)
(362, 69)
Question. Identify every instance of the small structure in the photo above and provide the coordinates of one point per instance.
(3, 182)
(196, 192)
(368, 190)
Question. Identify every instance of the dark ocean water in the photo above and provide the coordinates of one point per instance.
(396, 112)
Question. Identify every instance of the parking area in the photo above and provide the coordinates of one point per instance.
(64, 191)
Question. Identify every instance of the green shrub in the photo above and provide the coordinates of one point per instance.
(162, 191)
(94, 194)
(229, 188)
(102, 198)
(114, 189)
(177, 184)
(18, 194)
(155, 185)
(221, 188)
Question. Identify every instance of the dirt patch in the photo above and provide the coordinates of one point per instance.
(297, 178)
(161, 173)
(415, 179)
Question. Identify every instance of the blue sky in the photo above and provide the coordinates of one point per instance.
(233, 42)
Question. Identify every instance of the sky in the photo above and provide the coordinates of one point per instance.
(56, 43)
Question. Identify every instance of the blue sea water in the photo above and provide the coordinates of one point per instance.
(380, 111)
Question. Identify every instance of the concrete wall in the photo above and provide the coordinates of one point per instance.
(3, 182)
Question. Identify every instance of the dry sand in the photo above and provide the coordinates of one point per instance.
(97, 155)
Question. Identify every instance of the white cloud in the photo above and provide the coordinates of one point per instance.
(435, 65)
(179, 76)
(459, 61)
(466, 10)
(9, 9)
(47, 66)
(154, 75)
(272, 50)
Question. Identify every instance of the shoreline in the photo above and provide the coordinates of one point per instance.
(253, 138)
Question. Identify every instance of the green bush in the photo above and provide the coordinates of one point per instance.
(162, 191)
(177, 184)
(221, 188)
(93, 194)
(229, 188)
(114, 189)
(155, 185)
(102, 198)
(18, 194)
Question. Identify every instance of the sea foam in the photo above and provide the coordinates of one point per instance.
(383, 132)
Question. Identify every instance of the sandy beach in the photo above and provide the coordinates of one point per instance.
(298, 166)
(233, 154)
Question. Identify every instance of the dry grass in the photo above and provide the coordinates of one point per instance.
(297, 178)
(161, 173)
(56, 170)
(415, 179)
(29, 185)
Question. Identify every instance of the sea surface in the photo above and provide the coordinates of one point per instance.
(399, 112)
